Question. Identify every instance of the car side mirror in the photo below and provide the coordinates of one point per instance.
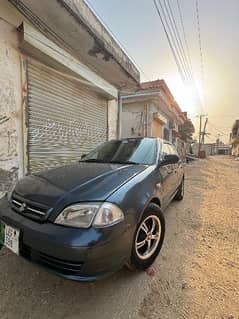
(82, 156)
(170, 159)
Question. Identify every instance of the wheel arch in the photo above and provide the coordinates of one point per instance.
(152, 200)
(155, 200)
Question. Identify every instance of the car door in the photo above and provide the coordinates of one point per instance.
(166, 172)
(177, 168)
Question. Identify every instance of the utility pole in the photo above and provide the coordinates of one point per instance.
(145, 120)
(200, 133)
(200, 129)
(204, 130)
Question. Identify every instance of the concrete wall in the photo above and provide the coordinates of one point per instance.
(133, 119)
(10, 103)
(112, 119)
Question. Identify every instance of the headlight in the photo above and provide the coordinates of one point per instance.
(83, 215)
(78, 215)
(108, 214)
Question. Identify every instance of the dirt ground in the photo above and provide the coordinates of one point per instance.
(195, 276)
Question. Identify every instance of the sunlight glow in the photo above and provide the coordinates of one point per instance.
(186, 96)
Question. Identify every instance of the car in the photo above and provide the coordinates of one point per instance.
(86, 220)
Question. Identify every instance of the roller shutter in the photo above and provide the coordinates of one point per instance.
(65, 118)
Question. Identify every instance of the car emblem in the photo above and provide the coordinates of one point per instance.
(22, 207)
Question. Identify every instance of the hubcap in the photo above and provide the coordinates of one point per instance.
(148, 237)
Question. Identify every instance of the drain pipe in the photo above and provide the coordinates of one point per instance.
(119, 124)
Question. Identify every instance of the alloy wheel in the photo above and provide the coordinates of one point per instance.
(148, 237)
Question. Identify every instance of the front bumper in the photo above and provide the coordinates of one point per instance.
(77, 254)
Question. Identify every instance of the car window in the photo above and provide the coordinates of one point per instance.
(139, 151)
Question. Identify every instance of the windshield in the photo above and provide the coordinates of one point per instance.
(129, 151)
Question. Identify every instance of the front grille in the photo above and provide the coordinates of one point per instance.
(59, 265)
(28, 208)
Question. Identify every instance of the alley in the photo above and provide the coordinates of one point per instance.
(195, 276)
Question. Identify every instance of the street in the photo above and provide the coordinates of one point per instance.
(195, 276)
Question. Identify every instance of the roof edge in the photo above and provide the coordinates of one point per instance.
(111, 46)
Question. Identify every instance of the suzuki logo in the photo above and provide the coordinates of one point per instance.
(22, 207)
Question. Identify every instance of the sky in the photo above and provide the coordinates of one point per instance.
(136, 25)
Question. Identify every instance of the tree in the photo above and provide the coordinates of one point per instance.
(186, 131)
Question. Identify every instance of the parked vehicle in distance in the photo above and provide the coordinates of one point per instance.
(86, 220)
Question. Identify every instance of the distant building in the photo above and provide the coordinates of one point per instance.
(152, 111)
(235, 138)
(208, 148)
(223, 149)
(212, 149)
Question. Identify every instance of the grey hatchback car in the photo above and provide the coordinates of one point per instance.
(86, 220)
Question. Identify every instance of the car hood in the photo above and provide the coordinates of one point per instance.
(76, 183)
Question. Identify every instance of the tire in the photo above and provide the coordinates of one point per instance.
(180, 193)
(140, 259)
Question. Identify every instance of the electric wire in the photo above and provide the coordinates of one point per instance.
(184, 35)
(178, 38)
(217, 129)
(172, 48)
(168, 26)
(189, 56)
(202, 67)
(191, 80)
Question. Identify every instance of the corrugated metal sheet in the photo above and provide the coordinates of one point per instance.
(65, 119)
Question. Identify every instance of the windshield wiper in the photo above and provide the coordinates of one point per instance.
(123, 162)
(93, 160)
(96, 160)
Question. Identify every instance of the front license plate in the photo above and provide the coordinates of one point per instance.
(9, 237)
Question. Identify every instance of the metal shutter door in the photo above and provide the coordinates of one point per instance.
(65, 119)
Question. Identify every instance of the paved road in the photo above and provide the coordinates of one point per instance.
(195, 275)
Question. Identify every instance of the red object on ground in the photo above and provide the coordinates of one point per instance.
(150, 271)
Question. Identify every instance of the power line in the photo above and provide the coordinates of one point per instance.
(171, 30)
(184, 34)
(218, 130)
(188, 53)
(171, 44)
(187, 58)
(178, 38)
(200, 42)
(176, 45)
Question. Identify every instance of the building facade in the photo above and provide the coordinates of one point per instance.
(235, 138)
(152, 111)
(59, 85)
